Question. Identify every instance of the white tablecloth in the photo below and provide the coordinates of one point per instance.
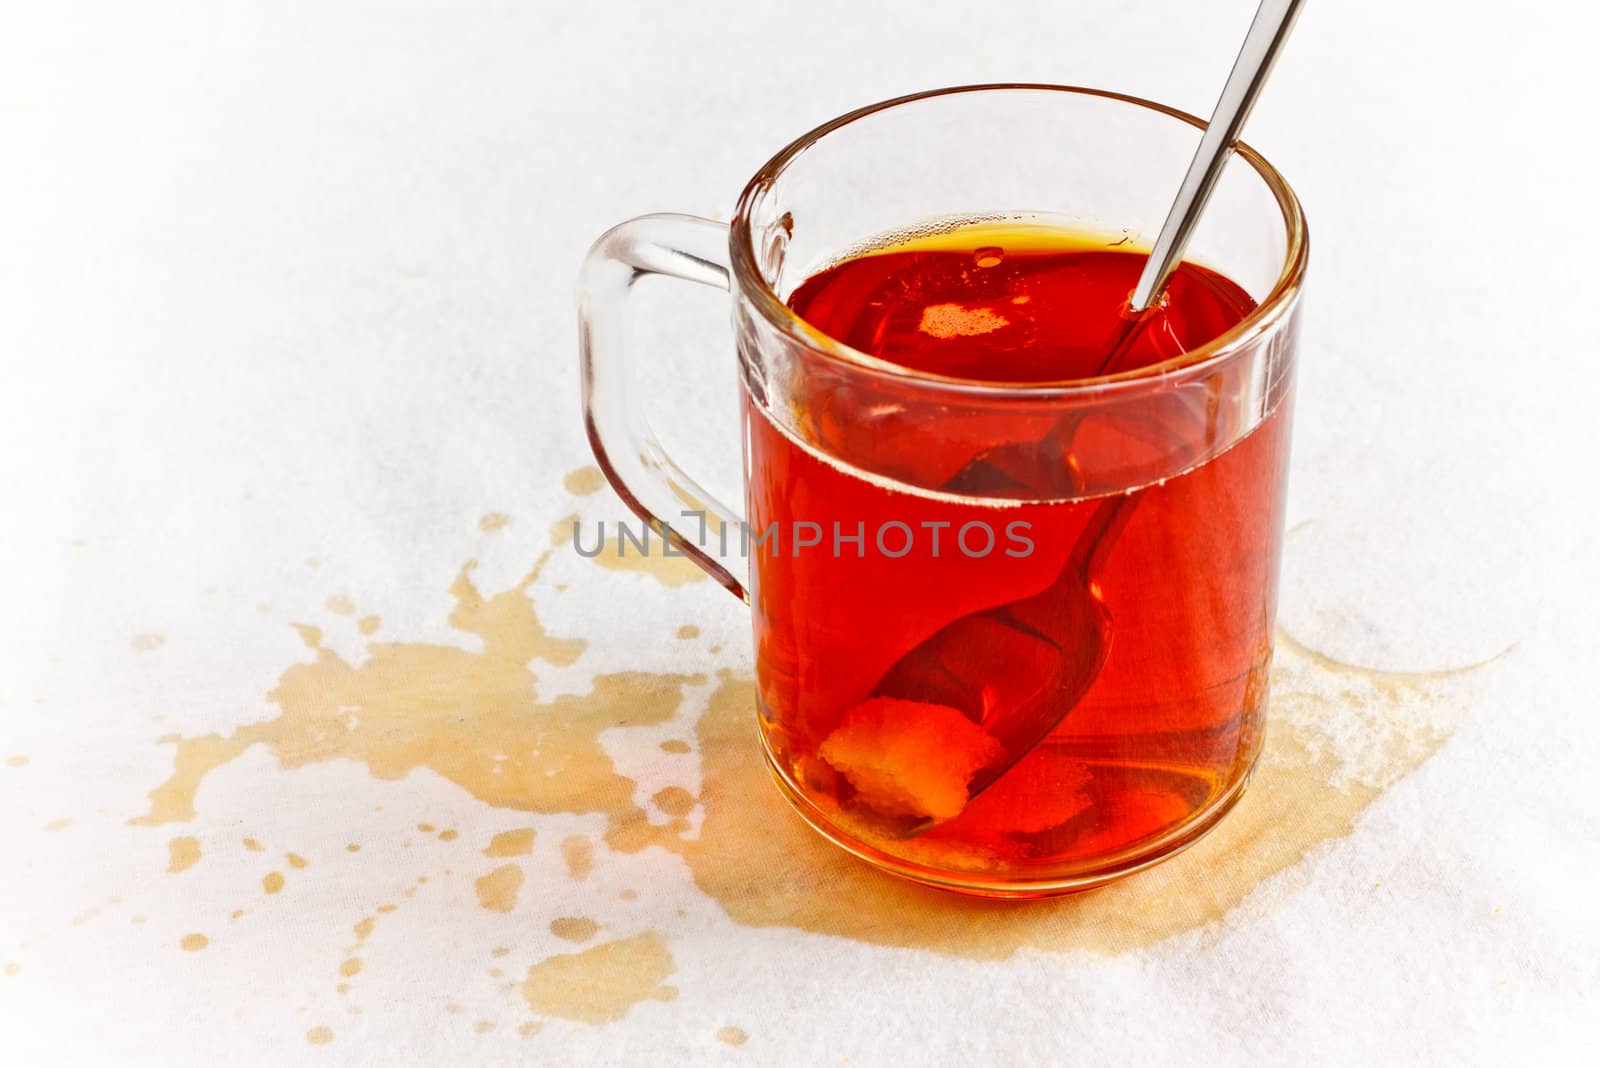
(312, 747)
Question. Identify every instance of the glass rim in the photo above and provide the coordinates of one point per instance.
(1262, 320)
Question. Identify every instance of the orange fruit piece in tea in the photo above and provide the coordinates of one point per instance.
(909, 758)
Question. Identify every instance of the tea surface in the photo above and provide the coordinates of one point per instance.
(1023, 304)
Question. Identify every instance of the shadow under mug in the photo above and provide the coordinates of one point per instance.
(1159, 733)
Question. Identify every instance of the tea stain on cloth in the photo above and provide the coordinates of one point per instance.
(183, 853)
(574, 928)
(475, 718)
(599, 985)
(1338, 736)
(583, 481)
(498, 890)
(472, 717)
(578, 853)
(514, 843)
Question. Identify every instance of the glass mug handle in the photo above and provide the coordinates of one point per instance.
(648, 480)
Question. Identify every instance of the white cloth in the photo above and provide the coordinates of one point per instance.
(286, 309)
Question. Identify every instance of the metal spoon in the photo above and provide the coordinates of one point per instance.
(1051, 646)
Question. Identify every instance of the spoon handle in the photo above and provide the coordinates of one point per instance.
(1274, 19)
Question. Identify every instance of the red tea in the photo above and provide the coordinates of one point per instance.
(1162, 731)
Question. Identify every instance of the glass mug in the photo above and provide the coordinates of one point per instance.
(1072, 686)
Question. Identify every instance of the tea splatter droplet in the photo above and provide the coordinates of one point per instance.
(733, 1036)
(574, 928)
(145, 643)
(482, 1027)
(450, 834)
(12, 967)
(350, 967)
(363, 928)
(319, 1036)
(16, 761)
(193, 943)
(340, 605)
(688, 631)
(498, 890)
(182, 854)
(353, 847)
(584, 481)
(516, 843)
(58, 825)
(296, 860)
(369, 625)
(578, 852)
(675, 745)
(253, 846)
(529, 1028)
(272, 882)
(599, 985)
(493, 521)
(674, 800)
